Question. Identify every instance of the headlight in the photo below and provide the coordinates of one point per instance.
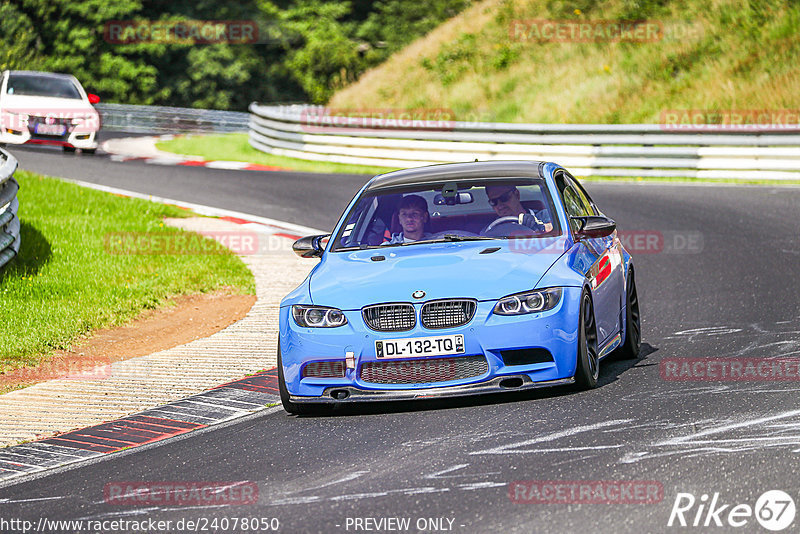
(318, 316)
(16, 120)
(528, 302)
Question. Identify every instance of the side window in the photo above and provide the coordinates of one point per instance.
(574, 206)
(561, 183)
(353, 231)
(583, 195)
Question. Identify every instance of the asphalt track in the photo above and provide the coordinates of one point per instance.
(733, 294)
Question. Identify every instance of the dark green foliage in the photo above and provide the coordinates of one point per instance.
(306, 48)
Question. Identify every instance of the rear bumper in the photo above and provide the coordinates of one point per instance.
(503, 384)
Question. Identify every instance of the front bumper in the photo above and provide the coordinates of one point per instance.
(487, 335)
(502, 384)
(76, 138)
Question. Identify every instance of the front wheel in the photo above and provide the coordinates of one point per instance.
(588, 365)
(68, 149)
(633, 328)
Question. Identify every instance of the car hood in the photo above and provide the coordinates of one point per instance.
(351, 280)
(45, 104)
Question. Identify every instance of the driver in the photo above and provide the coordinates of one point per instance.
(505, 200)
(412, 213)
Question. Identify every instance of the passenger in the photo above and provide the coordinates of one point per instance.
(505, 200)
(412, 214)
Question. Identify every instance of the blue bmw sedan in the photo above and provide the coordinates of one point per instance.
(458, 279)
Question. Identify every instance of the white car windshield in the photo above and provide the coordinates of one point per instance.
(34, 85)
(476, 210)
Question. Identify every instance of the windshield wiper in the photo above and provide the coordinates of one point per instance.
(455, 237)
(356, 247)
(452, 237)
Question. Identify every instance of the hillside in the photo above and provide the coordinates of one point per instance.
(492, 63)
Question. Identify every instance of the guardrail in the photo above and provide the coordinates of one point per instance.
(9, 205)
(306, 132)
(158, 119)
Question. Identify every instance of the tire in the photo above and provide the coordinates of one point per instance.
(293, 407)
(587, 369)
(68, 149)
(632, 344)
(89, 151)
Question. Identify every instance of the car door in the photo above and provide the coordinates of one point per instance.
(602, 263)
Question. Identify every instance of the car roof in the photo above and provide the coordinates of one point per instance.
(447, 172)
(42, 74)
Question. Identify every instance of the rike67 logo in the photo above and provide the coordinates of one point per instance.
(774, 510)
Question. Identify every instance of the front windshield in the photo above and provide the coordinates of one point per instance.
(478, 209)
(33, 85)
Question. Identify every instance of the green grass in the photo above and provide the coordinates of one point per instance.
(214, 147)
(234, 147)
(65, 283)
(712, 56)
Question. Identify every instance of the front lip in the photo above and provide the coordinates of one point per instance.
(356, 395)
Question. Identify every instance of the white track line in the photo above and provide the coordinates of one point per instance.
(201, 209)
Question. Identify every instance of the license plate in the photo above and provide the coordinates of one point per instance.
(50, 129)
(420, 346)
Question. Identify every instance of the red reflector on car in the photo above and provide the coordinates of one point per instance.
(333, 369)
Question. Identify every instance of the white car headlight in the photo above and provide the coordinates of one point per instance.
(528, 302)
(15, 120)
(318, 316)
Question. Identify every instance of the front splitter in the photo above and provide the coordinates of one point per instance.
(500, 384)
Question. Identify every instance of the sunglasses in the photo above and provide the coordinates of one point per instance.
(502, 198)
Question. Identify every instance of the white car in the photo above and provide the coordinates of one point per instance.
(47, 109)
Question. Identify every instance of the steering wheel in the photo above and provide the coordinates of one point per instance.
(502, 220)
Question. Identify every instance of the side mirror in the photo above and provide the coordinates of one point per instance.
(93, 98)
(309, 246)
(594, 226)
